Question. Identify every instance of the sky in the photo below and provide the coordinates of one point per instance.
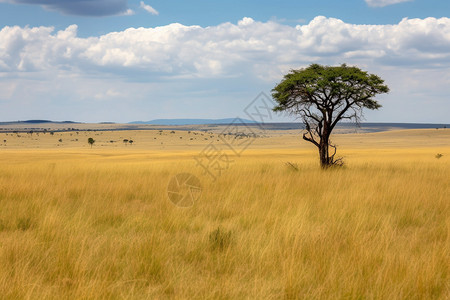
(127, 60)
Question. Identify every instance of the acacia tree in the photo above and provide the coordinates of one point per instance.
(91, 141)
(321, 96)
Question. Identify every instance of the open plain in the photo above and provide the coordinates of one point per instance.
(96, 222)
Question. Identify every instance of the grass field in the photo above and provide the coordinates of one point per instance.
(97, 223)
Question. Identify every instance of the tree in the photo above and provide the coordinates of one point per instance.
(131, 142)
(324, 95)
(91, 141)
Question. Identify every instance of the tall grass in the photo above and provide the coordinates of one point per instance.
(99, 225)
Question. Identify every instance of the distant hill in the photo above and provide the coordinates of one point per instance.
(39, 122)
(35, 121)
(191, 121)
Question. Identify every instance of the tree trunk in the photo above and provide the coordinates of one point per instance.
(323, 149)
(323, 153)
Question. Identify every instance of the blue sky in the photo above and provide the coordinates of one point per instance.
(119, 60)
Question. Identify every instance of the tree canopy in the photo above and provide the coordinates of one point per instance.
(91, 141)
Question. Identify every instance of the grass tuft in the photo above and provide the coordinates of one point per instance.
(220, 239)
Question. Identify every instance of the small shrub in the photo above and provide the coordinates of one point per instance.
(24, 224)
(91, 141)
(219, 239)
(338, 162)
(439, 155)
(2, 225)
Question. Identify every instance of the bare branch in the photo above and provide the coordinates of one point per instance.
(310, 139)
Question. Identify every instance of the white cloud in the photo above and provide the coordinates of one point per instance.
(108, 94)
(383, 3)
(246, 21)
(149, 9)
(227, 49)
(128, 12)
(227, 60)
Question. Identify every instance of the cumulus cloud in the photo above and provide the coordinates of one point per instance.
(216, 62)
(383, 3)
(227, 49)
(81, 7)
(149, 9)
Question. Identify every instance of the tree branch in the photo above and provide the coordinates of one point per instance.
(310, 139)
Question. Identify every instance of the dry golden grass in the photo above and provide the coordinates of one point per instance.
(96, 223)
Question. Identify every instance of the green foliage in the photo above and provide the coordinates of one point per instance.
(91, 141)
(328, 84)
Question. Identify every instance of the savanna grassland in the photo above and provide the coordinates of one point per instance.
(96, 223)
